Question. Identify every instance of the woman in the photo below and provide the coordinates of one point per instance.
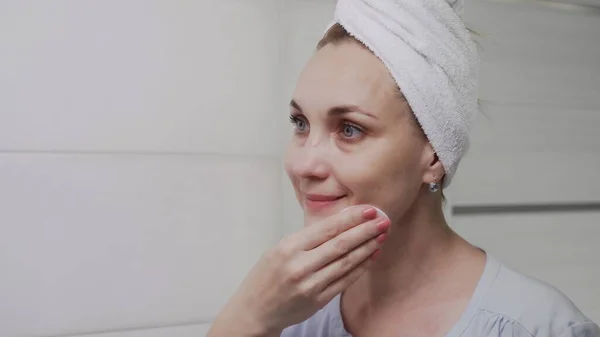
(380, 117)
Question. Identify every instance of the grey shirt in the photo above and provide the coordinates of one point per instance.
(505, 303)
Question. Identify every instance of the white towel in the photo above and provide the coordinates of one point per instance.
(432, 57)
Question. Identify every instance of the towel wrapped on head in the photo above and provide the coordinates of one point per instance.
(432, 57)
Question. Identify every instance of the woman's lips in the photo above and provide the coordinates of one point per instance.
(320, 202)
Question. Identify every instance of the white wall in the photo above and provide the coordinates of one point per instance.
(139, 174)
(140, 144)
(537, 144)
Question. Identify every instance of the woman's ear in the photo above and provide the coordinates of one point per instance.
(433, 170)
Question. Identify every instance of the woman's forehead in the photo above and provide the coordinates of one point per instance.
(345, 74)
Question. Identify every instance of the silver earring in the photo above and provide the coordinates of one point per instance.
(434, 187)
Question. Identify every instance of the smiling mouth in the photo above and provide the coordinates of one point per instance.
(320, 202)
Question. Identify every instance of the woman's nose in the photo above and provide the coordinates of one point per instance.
(312, 161)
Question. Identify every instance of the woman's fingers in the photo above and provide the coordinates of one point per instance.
(342, 283)
(327, 252)
(347, 263)
(329, 228)
(340, 246)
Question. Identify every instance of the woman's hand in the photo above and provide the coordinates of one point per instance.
(303, 273)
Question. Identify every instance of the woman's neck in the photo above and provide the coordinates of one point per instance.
(422, 262)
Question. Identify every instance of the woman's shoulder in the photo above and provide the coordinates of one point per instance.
(529, 307)
(327, 322)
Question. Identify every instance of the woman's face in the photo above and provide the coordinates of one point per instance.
(354, 140)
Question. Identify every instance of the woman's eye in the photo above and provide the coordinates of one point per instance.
(351, 132)
(299, 124)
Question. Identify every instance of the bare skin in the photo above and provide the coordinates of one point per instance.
(426, 274)
(302, 274)
(356, 142)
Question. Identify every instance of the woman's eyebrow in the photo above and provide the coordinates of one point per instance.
(345, 109)
(338, 110)
(295, 105)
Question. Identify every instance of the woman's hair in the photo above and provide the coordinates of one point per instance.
(338, 34)
(335, 35)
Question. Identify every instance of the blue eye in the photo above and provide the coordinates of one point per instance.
(350, 131)
(299, 124)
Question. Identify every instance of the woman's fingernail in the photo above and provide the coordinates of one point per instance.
(369, 213)
(376, 255)
(383, 225)
(381, 238)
